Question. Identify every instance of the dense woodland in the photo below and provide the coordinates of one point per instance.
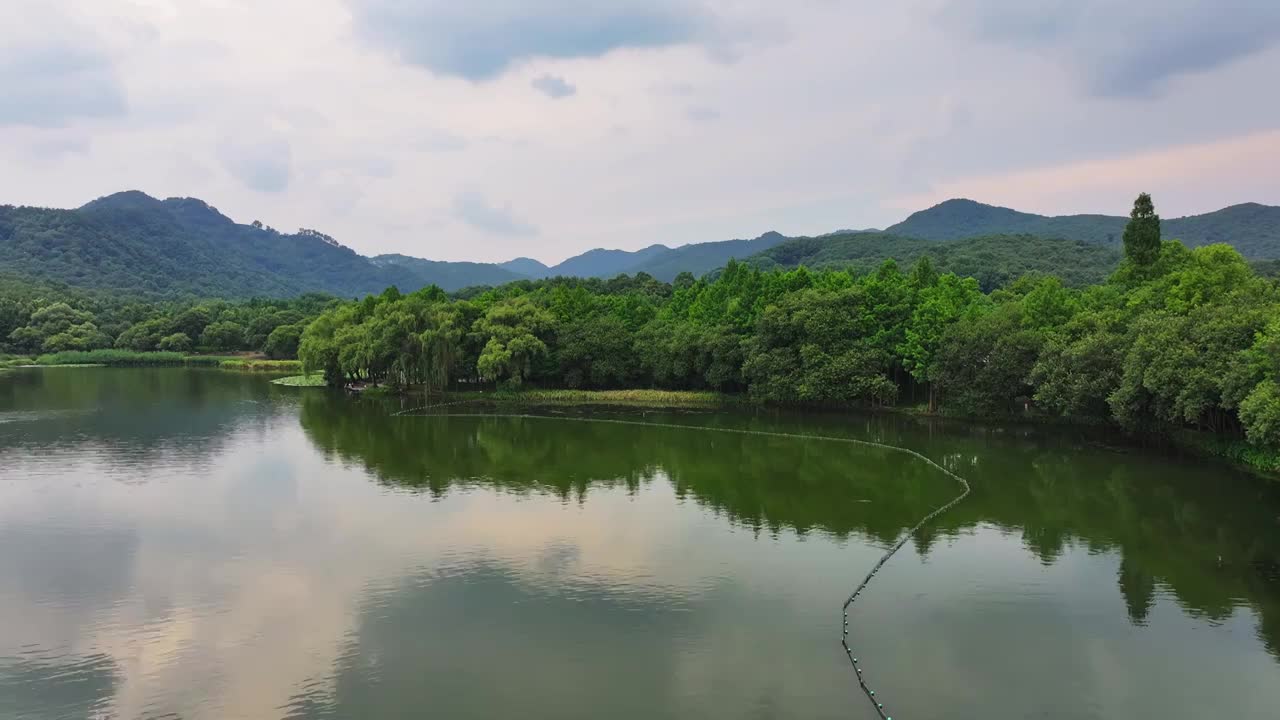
(37, 319)
(1174, 339)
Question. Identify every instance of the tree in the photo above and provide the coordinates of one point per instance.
(177, 342)
(1142, 233)
(85, 336)
(56, 320)
(939, 306)
(983, 364)
(223, 335)
(283, 342)
(143, 336)
(514, 332)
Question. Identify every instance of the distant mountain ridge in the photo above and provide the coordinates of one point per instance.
(1251, 228)
(448, 275)
(132, 242)
(994, 260)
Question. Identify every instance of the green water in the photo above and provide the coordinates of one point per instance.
(181, 543)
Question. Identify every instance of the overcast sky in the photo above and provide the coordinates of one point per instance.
(490, 129)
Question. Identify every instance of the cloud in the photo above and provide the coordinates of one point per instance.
(52, 71)
(1131, 49)
(1194, 178)
(479, 43)
(553, 87)
(473, 209)
(701, 113)
(264, 164)
(432, 140)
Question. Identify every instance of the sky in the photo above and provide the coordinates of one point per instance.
(492, 129)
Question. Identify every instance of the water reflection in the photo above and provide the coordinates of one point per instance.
(563, 569)
(1211, 536)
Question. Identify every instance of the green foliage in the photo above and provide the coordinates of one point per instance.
(1142, 233)
(111, 357)
(1252, 229)
(223, 335)
(994, 260)
(49, 318)
(146, 336)
(1260, 413)
(983, 365)
(133, 243)
(283, 342)
(177, 342)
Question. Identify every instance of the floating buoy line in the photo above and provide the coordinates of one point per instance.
(876, 701)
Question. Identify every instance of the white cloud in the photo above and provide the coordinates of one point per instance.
(475, 210)
(829, 115)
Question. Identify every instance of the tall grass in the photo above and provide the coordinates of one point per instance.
(111, 357)
(8, 361)
(132, 358)
(251, 364)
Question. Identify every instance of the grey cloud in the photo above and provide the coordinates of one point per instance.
(475, 210)
(1131, 49)
(264, 165)
(553, 87)
(429, 140)
(52, 85)
(57, 145)
(701, 113)
(480, 42)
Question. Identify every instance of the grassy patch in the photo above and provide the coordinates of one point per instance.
(648, 398)
(312, 380)
(261, 365)
(110, 357)
(11, 361)
(126, 358)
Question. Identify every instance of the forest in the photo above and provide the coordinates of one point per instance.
(37, 319)
(1174, 340)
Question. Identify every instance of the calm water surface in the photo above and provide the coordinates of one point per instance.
(195, 544)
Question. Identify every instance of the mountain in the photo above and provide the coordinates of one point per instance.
(702, 258)
(526, 266)
(603, 263)
(135, 243)
(449, 276)
(660, 261)
(1253, 229)
(994, 260)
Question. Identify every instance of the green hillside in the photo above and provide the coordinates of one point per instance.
(603, 263)
(993, 259)
(135, 243)
(1251, 228)
(448, 276)
(702, 258)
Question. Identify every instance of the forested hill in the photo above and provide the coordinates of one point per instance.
(994, 260)
(660, 261)
(1251, 228)
(132, 242)
(449, 275)
(702, 258)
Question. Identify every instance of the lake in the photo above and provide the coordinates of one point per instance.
(180, 543)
